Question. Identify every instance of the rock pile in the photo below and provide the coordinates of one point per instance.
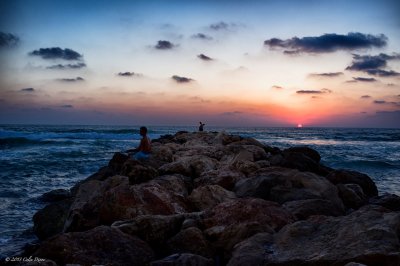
(218, 199)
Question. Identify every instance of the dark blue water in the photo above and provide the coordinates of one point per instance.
(37, 159)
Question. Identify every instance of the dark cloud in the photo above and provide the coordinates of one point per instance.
(72, 80)
(364, 79)
(314, 91)
(220, 26)
(327, 75)
(57, 53)
(181, 79)
(204, 57)
(379, 102)
(67, 106)
(382, 73)
(128, 74)
(164, 45)
(27, 90)
(202, 36)
(8, 40)
(373, 65)
(328, 43)
(67, 66)
(365, 97)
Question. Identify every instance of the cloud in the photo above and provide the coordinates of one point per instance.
(8, 40)
(220, 26)
(232, 113)
(365, 97)
(67, 66)
(164, 45)
(326, 75)
(57, 53)
(276, 87)
(364, 79)
(314, 91)
(128, 74)
(204, 57)
(373, 65)
(72, 80)
(67, 106)
(27, 90)
(382, 73)
(327, 43)
(202, 36)
(181, 79)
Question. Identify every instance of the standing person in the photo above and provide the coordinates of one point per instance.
(201, 127)
(143, 151)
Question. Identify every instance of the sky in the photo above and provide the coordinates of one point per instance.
(226, 63)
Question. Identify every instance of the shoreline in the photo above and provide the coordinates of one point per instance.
(205, 171)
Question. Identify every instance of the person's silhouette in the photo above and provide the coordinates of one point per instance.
(201, 126)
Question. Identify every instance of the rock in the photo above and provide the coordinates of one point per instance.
(390, 201)
(50, 220)
(263, 163)
(208, 196)
(184, 259)
(353, 177)
(55, 195)
(247, 210)
(138, 172)
(163, 195)
(354, 264)
(302, 209)
(311, 153)
(225, 177)
(101, 245)
(192, 166)
(190, 240)
(282, 185)
(368, 235)
(352, 195)
(251, 251)
(154, 229)
(299, 161)
(257, 152)
(117, 162)
(101, 175)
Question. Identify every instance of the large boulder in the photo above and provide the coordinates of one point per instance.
(307, 151)
(282, 185)
(190, 240)
(352, 195)
(390, 201)
(225, 176)
(50, 220)
(368, 235)
(138, 172)
(102, 245)
(208, 196)
(302, 209)
(192, 166)
(353, 177)
(56, 195)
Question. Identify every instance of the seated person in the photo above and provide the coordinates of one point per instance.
(143, 151)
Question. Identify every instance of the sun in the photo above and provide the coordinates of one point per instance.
(299, 125)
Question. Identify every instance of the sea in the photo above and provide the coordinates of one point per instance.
(35, 159)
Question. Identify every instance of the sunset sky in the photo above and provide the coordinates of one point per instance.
(227, 63)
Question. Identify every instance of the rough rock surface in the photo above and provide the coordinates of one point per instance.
(215, 199)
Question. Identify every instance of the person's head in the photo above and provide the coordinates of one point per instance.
(143, 131)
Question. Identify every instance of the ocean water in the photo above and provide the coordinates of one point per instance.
(37, 159)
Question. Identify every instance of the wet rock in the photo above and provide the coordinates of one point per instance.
(302, 209)
(55, 195)
(101, 245)
(352, 195)
(311, 153)
(192, 166)
(208, 196)
(183, 259)
(299, 161)
(353, 177)
(50, 220)
(117, 162)
(389, 201)
(190, 240)
(225, 177)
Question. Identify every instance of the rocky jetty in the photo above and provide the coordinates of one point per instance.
(218, 199)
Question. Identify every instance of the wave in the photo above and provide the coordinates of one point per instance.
(15, 142)
(365, 164)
